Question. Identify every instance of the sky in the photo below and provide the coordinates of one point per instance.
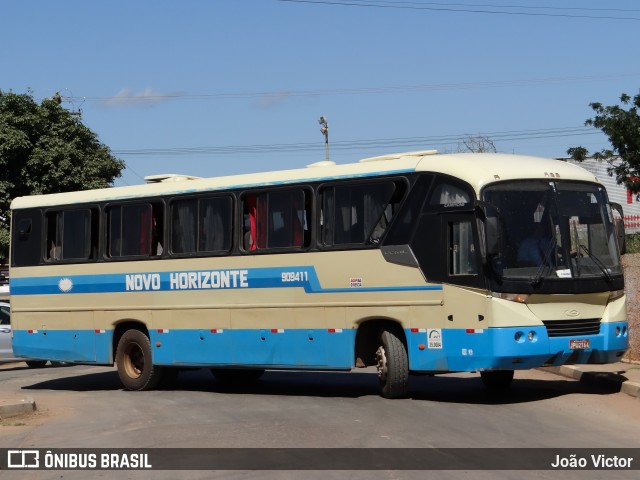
(223, 87)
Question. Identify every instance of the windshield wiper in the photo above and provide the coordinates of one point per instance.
(545, 265)
(597, 261)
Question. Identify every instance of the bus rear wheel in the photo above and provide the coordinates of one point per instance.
(135, 367)
(392, 364)
(496, 380)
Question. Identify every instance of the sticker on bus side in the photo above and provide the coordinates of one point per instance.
(434, 337)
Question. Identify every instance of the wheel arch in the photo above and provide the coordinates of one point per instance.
(368, 335)
(121, 327)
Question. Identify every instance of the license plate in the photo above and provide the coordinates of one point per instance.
(579, 344)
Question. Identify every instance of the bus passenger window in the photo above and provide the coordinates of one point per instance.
(71, 235)
(184, 226)
(135, 230)
(358, 214)
(277, 219)
(201, 225)
(215, 224)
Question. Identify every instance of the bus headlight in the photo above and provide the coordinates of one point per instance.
(615, 295)
(512, 297)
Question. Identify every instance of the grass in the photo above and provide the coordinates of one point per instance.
(633, 243)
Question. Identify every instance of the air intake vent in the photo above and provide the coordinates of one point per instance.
(572, 328)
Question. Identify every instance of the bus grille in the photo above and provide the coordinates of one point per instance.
(572, 328)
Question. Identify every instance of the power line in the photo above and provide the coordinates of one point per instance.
(467, 8)
(115, 100)
(523, 7)
(364, 144)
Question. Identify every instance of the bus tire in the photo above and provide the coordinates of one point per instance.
(135, 366)
(392, 364)
(36, 363)
(496, 380)
(237, 376)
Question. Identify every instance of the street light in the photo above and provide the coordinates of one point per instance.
(325, 131)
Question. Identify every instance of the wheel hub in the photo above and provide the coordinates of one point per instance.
(381, 363)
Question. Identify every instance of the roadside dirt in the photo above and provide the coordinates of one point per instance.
(631, 264)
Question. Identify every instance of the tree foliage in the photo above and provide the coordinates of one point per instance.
(45, 148)
(622, 127)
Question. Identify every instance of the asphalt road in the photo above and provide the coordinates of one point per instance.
(85, 407)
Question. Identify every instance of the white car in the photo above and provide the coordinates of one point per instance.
(6, 349)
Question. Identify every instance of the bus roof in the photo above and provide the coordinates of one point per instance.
(477, 169)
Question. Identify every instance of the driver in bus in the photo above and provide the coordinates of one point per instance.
(537, 249)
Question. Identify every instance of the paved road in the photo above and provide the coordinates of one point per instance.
(84, 406)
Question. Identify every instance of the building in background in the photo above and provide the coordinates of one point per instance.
(617, 193)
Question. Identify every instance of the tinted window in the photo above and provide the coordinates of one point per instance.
(5, 318)
(358, 214)
(26, 239)
(135, 230)
(201, 225)
(71, 234)
(277, 219)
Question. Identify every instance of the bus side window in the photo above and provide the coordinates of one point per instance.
(135, 230)
(157, 229)
(277, 219)
(215, 224)
(71, 235)
(358, 214)
(200, 225)
(250, 223)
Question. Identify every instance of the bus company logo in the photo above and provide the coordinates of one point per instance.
(355, 282)
(65, 285)
(23, 459)
(434, 337)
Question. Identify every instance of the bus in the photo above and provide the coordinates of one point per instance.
(410, 263)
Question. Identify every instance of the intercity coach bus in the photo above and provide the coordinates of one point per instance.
(410, 263)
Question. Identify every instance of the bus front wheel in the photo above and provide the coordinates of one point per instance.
(135, 367)
(392, 364)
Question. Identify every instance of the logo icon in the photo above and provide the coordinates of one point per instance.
(65, 285)
(23, 458)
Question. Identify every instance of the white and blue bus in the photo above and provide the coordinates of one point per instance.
(409, 263)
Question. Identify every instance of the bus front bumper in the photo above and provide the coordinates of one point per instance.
(512, 348)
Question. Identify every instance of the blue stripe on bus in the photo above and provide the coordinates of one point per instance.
(280, 277)
(462, 350)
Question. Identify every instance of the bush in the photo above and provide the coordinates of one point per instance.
(633, 243)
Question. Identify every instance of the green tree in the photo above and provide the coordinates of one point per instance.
(45, 148)
(622, 126)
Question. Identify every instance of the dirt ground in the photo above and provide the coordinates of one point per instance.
(631, 264)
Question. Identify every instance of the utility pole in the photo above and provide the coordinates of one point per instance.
(324, 129)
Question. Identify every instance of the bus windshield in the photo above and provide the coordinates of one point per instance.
(555, 229)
